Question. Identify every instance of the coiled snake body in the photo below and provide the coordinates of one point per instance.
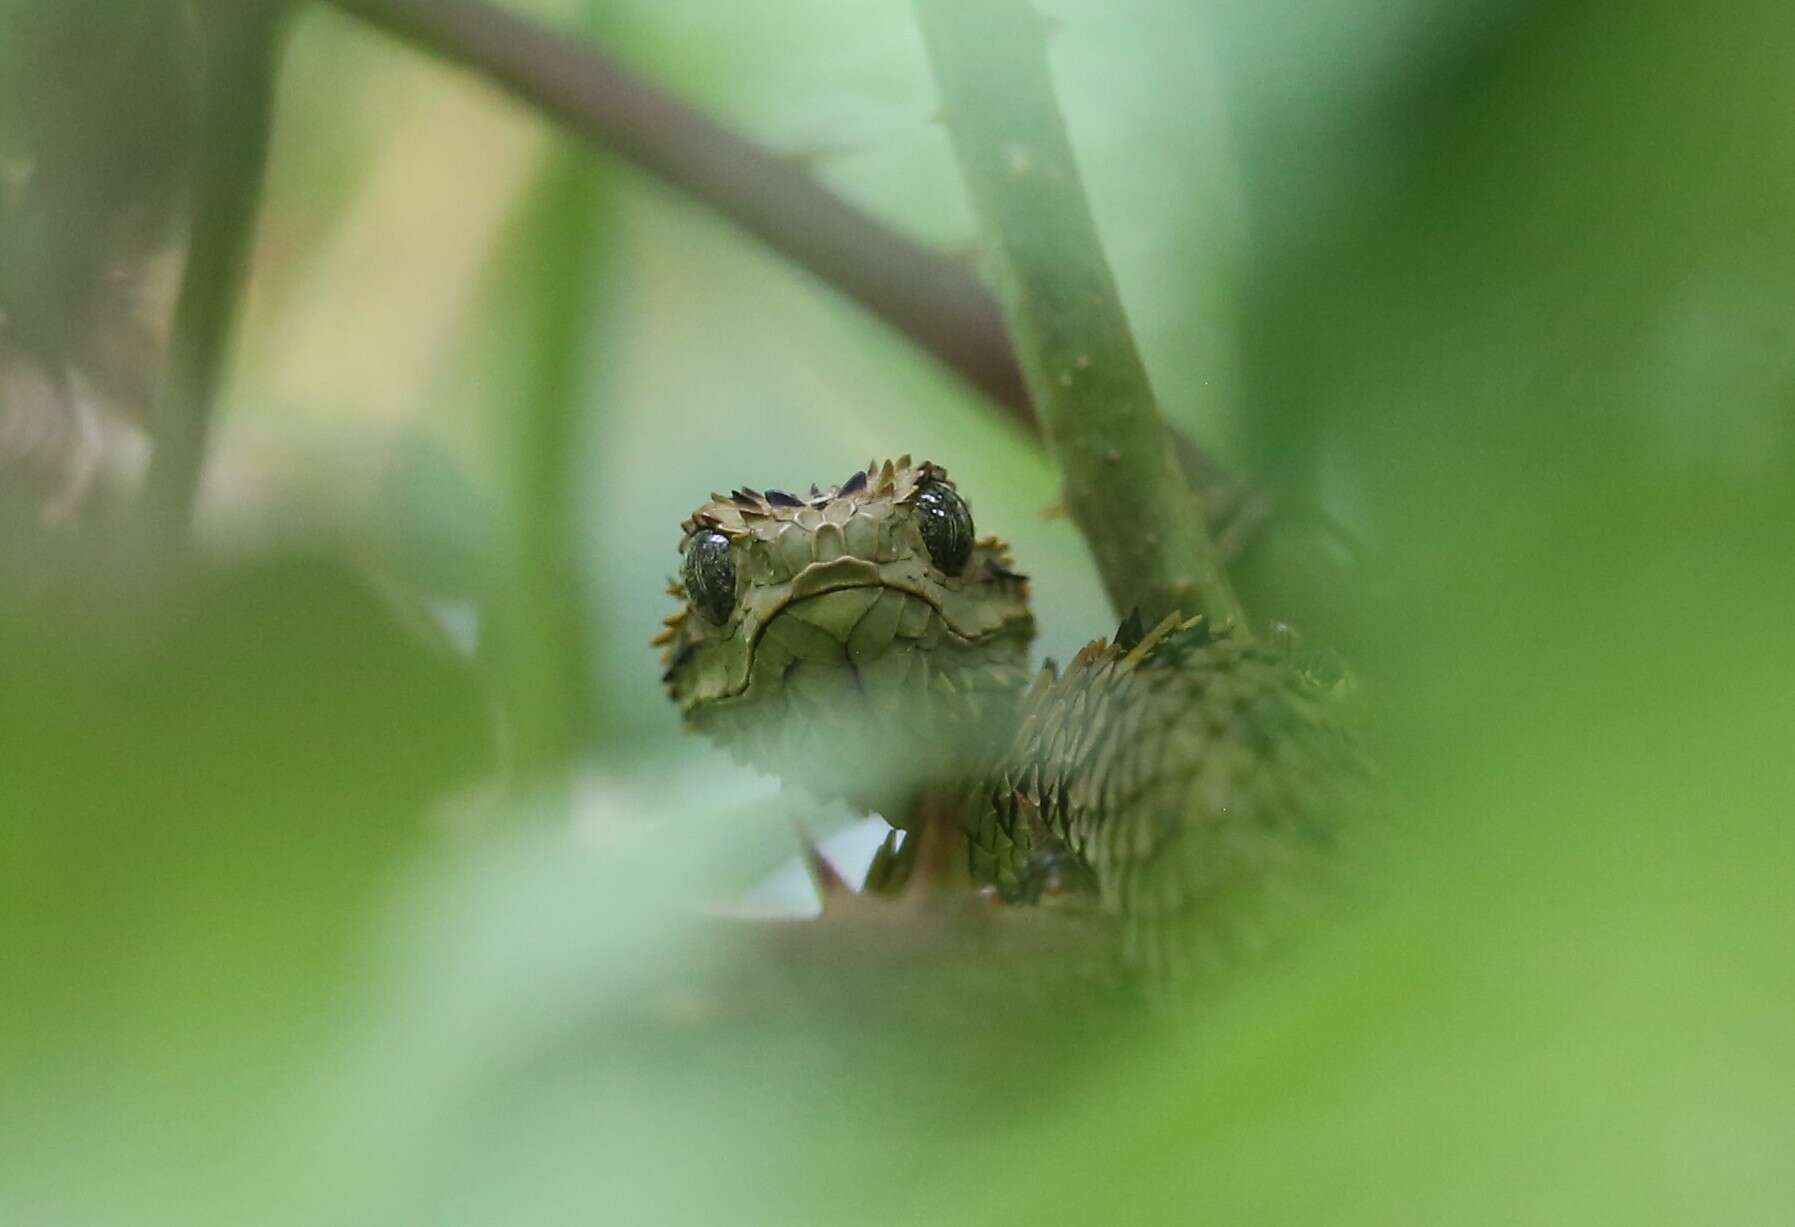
(861, 641)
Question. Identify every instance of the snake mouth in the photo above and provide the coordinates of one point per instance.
(849, 627)
(848, 620)
(849, 614)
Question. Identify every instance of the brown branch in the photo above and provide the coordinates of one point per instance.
(925, 295)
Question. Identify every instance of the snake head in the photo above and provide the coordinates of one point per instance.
(861, 641)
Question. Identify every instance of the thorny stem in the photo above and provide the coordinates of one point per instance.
(240, 62)
(1123, 484)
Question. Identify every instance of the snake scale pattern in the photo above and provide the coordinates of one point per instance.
(862, 642)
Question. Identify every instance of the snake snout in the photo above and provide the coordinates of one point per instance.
(846, 627)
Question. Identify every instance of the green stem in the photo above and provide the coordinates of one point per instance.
(1123, 484)
(240, 63)
(546, 662)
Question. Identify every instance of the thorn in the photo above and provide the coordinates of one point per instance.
(779, 498)
(854, 484)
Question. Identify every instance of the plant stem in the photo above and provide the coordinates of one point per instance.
(540, 608)
(1123, 484)
(237, 108)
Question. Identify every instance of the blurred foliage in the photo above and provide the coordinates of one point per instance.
(98, 126)
(98, 113)
(1509, 288)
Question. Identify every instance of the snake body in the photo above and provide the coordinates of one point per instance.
(861, 642)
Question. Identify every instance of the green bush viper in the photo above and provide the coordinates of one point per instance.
(861, 641)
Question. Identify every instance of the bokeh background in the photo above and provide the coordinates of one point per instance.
(1508, 288)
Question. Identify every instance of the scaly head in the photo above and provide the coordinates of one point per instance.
(861, 641)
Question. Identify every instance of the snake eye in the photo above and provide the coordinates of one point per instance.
(710, 576)
(946, 525)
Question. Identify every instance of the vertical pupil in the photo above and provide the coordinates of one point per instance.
(710, 576)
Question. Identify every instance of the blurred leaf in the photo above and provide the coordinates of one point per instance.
(98, 114)
(205, 798)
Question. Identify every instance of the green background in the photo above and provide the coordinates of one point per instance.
(1509, 287)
